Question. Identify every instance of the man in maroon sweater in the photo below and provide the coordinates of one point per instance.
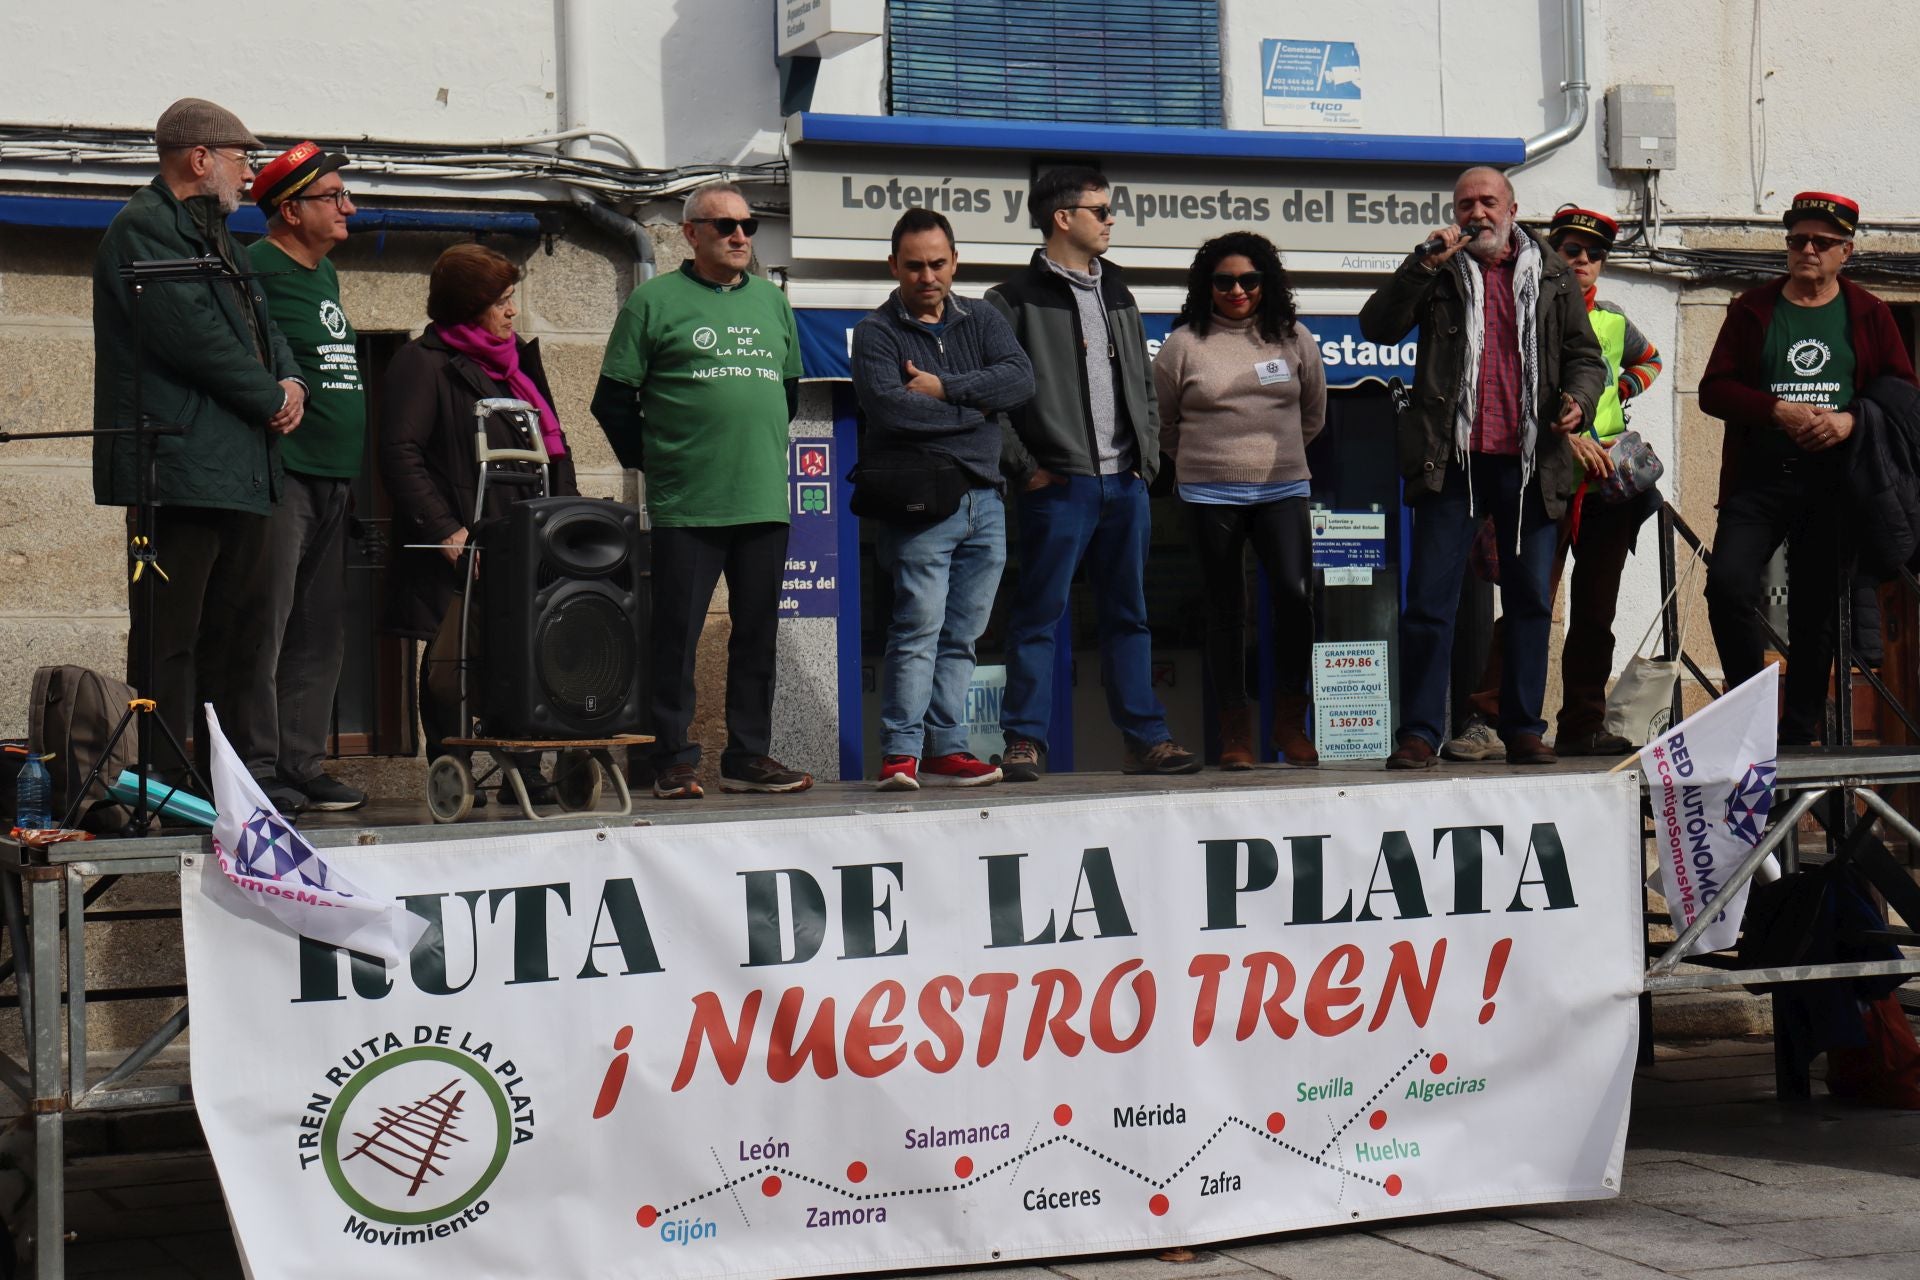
(1782, 375)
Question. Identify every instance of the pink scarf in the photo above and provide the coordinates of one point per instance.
(499, 359)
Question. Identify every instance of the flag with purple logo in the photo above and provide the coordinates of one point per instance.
(263, 856)
(1710, 779)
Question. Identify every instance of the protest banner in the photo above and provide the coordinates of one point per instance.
(1710, 785)
(833, 1044)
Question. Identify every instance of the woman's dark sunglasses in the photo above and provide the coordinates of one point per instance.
(1248, 281)
(727, 226)
(1570, 249)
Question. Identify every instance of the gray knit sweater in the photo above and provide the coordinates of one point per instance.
(1218, 421)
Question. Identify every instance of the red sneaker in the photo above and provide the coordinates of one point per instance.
(961, 769)
(898, 773)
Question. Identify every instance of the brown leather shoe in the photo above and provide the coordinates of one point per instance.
(1413, 753)
(1236, 737)
(1529, 748)
(1290, 734)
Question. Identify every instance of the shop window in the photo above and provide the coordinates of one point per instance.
(1144, 62)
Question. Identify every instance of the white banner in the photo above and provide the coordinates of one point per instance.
(1710, 783)
(834, 1044)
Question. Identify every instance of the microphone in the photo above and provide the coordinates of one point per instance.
(1435, 244)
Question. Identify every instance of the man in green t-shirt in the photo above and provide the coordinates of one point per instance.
(700, 379)
(307, 208)
(1782, 375)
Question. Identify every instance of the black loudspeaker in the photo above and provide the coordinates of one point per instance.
(565, 591)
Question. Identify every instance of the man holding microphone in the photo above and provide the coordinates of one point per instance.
(1508, 366)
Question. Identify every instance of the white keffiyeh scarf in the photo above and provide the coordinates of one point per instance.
(1526, 299)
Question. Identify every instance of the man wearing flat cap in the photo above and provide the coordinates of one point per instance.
(1783, 373)
(307, 207)
(212, 363)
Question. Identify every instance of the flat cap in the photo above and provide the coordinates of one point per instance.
(195, 122)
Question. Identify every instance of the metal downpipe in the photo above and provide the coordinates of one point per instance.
(1573, 37)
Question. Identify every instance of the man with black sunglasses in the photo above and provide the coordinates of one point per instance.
(1787, 365)
(700, 380)
(1088, 447)
(307, 207)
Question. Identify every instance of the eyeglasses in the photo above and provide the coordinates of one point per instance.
(1572, 249)
(727, 226)
(238, 154)
(1100, 212)
(1820, 243)
(1249, 282)
(339, 198)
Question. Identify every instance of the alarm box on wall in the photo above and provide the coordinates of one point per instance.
(565, 590)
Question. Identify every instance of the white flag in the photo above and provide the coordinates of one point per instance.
(1710, 779)
(265, 858)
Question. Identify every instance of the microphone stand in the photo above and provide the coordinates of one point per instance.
(142, 553)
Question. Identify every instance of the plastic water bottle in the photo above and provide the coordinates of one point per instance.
(33, 794)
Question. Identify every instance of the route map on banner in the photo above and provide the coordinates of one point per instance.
(833, 1044)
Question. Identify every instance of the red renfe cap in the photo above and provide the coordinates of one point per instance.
(290, 173)
(1840, 211)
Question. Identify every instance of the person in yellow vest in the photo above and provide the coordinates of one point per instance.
(1605, 531)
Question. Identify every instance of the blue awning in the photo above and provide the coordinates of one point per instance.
(92, 213)
(1132, 140)
(826, 337)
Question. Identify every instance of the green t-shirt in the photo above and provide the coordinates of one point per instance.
(305, 303)
(1809, 354)
(712, 365)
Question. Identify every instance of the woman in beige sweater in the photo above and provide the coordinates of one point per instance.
(1242, 393)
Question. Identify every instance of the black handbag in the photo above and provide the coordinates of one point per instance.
(908, 488)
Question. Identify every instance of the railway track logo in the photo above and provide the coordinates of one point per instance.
(417, 1135)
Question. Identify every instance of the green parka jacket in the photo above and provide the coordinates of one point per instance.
(211, 360)
(1569, 361)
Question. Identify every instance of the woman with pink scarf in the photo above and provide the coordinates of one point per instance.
(468, 353)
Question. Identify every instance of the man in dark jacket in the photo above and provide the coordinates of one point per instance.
(1782, 378)
(1508, 366)
(933, 372)
(1090, 445)
(209, 361)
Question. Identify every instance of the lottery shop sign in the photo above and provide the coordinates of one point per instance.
(880, 1041)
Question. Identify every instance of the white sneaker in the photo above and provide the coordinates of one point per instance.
(1477, 741)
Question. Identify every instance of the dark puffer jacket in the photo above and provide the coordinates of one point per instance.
(427, 462)
(1570, 361)
(1883, 475)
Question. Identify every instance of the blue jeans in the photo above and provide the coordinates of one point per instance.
(944, 578)
(1444, 525)
(1105, 520)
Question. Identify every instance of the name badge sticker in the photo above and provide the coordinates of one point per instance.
(1272, 371)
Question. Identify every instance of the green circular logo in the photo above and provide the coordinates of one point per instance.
(411, 1143)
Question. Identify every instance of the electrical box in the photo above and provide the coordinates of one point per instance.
(1641, 124)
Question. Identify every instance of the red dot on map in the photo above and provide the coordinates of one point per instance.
(1378, 1120)
(963, 1167)
(1393, 1184)
(1158, 1206)
(771, 1187)
(1439, 1064)
(1063, 1115)
(647, 1216)
(857, 1171)
(1276, 1122)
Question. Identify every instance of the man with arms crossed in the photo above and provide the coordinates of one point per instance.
(933, 372)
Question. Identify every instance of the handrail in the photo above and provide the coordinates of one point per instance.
(1673, 524)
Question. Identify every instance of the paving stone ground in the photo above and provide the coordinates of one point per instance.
(1722, 1183)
